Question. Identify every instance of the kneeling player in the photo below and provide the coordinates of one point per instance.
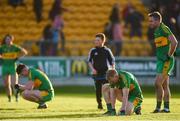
(38, 89)
(124, 87)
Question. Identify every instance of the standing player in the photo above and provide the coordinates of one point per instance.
(124, 87)
(9, 53)
(166, 44)
(100, 58)
(38, 89)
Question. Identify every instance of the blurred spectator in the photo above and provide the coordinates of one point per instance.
(108, 32)
(56, 9)
(135, 19)
(46, 42)
(116, 29)
(178, 22)
(16, 3)
(150, 35)
(37, 7)
(55, 41)
(126, 10)
(58, 24)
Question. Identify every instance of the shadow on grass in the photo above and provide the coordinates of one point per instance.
(89, 115)
(9, 109)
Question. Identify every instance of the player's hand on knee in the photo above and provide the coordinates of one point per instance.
(16, 86)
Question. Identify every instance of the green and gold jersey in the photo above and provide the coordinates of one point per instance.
(9, 53)
(162, 42)
(127, 80)
(40, 79)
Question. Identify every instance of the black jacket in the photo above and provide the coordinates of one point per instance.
(101, 58)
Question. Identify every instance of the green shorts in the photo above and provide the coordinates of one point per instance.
(165, 67)
(47, 95)
(8, 70)
(136, 100)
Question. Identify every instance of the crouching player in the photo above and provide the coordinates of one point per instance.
(124, 87)
(38, 89)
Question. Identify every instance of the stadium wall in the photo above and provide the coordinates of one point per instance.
(75, 71)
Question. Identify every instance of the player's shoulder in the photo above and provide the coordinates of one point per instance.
(92, 49)
(16, 46)
(107, 49)
(165, 28)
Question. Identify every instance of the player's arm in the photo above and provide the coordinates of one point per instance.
(90, 59)
(173, 44)
(22, 53)
(28, 86)
(112, 97)
(125, 92)
(111, 59)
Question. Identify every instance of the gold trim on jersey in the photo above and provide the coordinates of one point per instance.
(10, 55)
(43, 93)
(37, 83)
(166, 67)
(161, 41)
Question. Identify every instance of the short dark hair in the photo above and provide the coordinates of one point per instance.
(156, 15)
(20, 67)
(4, 39)
(102, 36)
(110, 73)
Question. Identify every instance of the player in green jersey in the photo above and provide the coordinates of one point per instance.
(38, 89)
(124, 87)
(166, 44)
(9, 53)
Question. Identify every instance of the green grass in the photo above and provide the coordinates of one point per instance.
(78, 103)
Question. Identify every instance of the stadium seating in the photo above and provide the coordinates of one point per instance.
(86, 18)
(82, 22)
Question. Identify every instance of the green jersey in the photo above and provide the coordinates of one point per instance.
(127, 80)
(9, 54)
(40, 79)
(162, 42)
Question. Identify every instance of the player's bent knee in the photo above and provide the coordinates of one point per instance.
(105, 87)
(24, 94)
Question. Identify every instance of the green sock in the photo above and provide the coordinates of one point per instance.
(158, 106)
(166, 105)
(109, 106)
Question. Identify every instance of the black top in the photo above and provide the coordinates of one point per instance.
(101, 57)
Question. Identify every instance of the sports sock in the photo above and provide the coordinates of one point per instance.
(166, 105)
(109, 106)
(158, 106)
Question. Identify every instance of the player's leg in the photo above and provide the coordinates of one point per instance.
(167, 95)
(118, 93)
(14, 80)
(168, 70)
(134, 105)
(40, 97)
(129, 108)
(98, 87)
(31, 95)
(7, 84)
(159, 91)
(106, 95)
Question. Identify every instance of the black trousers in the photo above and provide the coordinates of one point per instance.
(98, 87)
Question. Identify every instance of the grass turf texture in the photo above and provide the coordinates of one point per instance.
(78, 103)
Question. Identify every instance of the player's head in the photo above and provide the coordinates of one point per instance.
(112, 76)
(8, 39)
(155, 19)
(99, 40)
(22, 69)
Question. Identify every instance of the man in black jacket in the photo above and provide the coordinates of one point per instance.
(100, 59)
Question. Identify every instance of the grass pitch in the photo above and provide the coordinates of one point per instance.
(78, 103)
